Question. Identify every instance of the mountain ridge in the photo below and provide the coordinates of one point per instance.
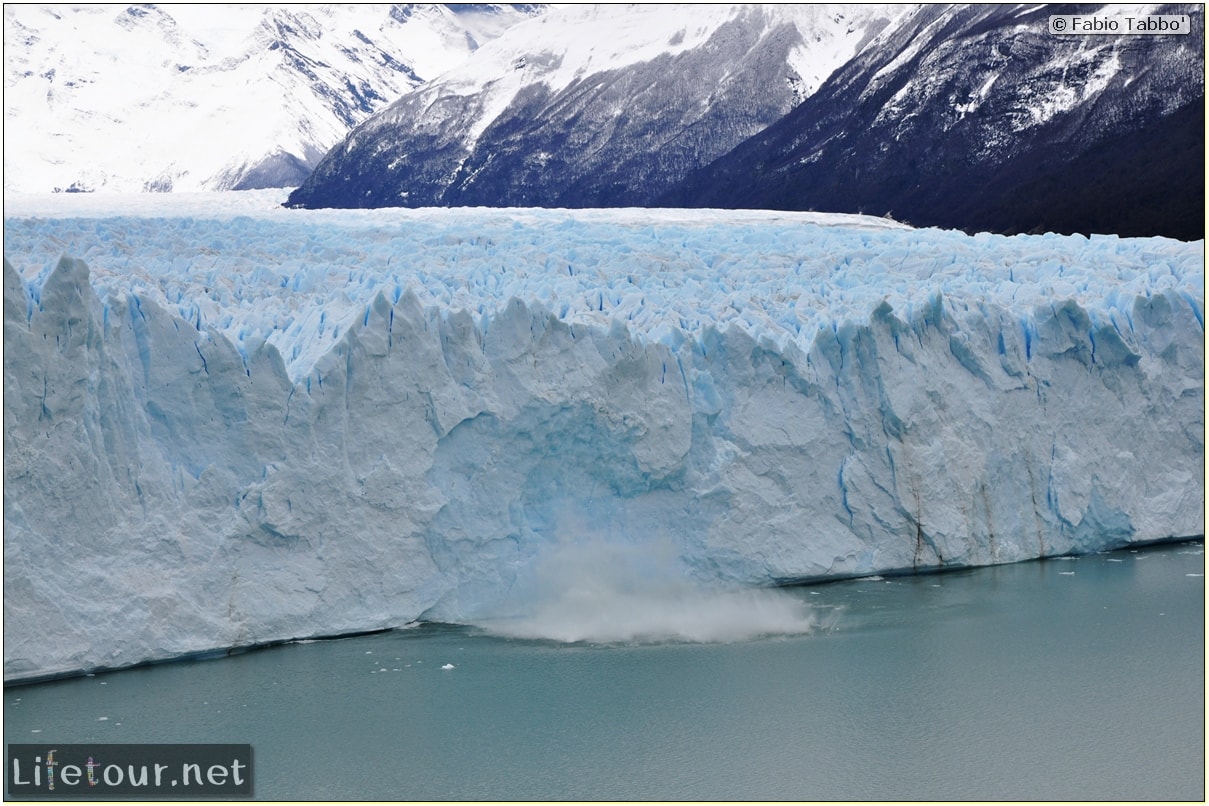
(971, 157)
(973, 117)
(180, 97)
(567, 116)
(957, 116)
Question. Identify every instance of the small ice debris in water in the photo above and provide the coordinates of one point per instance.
(369, 652)
(103, 683)
(1194, 575)
(447, 666)
(1116, 561)
(1066, 573)
(36, 730)
(383, 669)
(102, 719)
(814, 593)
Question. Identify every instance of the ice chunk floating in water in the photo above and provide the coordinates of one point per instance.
(230, 423)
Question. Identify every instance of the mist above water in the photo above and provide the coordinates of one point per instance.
(601, 592)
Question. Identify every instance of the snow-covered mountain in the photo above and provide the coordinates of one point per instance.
(593, 105)
(978, 117)
(211, 97)
(958, 115)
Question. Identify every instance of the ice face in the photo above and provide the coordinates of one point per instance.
(236, 424)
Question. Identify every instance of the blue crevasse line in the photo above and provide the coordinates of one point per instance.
(205, 366)
(1196, 309)
(844, 497)
(242, 349)
(1116, 326)
(1050, 496)
(141, 341)
(684, 377)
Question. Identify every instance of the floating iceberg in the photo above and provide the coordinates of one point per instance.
(228, 423)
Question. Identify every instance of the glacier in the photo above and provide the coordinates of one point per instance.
(228, 424)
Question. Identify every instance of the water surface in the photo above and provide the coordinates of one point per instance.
(1064, 679)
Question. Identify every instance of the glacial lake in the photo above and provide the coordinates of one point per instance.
(1079, 679)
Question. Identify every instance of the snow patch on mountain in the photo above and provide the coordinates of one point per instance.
(978, 117)
(210, 97)
(592, 106)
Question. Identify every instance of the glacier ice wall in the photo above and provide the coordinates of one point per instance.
(227, 431)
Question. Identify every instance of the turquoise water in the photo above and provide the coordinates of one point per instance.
(1074, 679)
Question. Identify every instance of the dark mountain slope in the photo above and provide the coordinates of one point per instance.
(590, 107)
(978, 118)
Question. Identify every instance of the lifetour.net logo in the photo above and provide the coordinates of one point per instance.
(101, 771)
